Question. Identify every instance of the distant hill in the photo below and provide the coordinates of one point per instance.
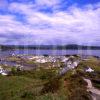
(59, 47)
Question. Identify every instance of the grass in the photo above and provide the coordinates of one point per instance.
(12, 87)
(92, 62)
(13, 59)
(26, 85)
(43, 84)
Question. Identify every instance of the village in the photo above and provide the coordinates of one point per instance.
(20, 62)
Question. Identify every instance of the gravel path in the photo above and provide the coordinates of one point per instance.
(95, 93)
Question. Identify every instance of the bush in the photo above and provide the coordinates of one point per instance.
(28, 95)
(80, 94)
(47, 74)
(13, 70)
(51, 86)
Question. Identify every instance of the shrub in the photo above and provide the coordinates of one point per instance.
(13, 70)
(51, 86)
(28, 95)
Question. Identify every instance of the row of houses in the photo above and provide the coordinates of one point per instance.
(71, 63)
(43, 59)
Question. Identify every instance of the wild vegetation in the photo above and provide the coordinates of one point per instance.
(46, 84)
(93, 63)
(42, 84)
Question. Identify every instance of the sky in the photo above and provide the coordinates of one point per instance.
(49, 22)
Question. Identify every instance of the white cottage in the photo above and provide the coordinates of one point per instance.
(2, 71)
(89, 70)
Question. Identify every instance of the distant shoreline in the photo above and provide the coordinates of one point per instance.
(49, 47)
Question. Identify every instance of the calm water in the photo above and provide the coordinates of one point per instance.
(51, 52)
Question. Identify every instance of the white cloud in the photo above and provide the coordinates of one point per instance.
(73, 25)
(47, 2)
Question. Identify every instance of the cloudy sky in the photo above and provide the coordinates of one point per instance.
(27, 22)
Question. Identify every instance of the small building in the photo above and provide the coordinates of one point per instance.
(71, 64)
(13, 54)
(2, 71)
(19, 67)
(89, 70)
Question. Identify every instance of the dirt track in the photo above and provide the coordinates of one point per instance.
(95, 93)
